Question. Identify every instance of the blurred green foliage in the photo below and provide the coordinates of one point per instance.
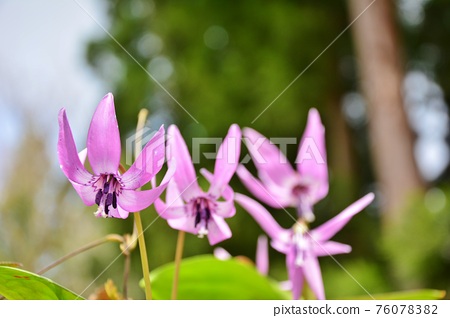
(419, 250)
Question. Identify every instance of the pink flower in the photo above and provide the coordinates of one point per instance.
(279, 185)
(303, 246)
(188, 208)
(114, 193)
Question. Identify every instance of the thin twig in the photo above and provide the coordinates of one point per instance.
(108, 238)
(126, 275)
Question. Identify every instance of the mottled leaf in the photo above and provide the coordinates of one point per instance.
(205, 277)
(18, 284)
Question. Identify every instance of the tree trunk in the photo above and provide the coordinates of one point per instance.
(381, 74)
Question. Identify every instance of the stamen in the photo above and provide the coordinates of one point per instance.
(109, 199)
(202, 232)
(98, 197)
(207, 217)
(202, 215)
(106, 187)
(198, 218)
(114, 200)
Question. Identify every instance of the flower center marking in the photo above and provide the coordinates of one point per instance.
(300, 242)
(202, 211)
(302, 191)
(109, 188)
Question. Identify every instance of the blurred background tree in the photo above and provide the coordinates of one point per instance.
(225, 63)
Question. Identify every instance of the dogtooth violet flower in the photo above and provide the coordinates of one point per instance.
(188, 208)
(114, 193)
(279, 184)
(303, 246)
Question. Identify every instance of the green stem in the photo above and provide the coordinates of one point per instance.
(144, 259)
(178, 257)
(108, 238)
(142, 117)
(126, 274)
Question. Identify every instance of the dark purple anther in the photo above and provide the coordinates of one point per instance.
(198, 218)
(98, 197)
(114, 200)
(207, 216)
(106, 187)
(109, 199)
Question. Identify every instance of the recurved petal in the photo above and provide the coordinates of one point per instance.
(259, 190)
(295, 275)
(218, 230)
(262, 255)
(173, 195)
(172, 212)
(225, 209)
(148, 163)
(329, 248)
(227, 160)
(86, 193)
(160, 205)
(281, 246)
(313, 275)
(186, 224)
(227, 193)
(330, 228)
(312, 157)
(268, 159)
(122, 213)
(185, 176)
(67, 153)
(119, 213)
(133, 201)
(262, 217)
(103, 142)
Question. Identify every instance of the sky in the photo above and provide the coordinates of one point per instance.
(43, 68)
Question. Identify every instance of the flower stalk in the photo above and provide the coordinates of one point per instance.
(143, 252)
(142, 118)
(178, 257)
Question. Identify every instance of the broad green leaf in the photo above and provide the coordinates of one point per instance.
(205, 277)
(18, 284)
(419, 294)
